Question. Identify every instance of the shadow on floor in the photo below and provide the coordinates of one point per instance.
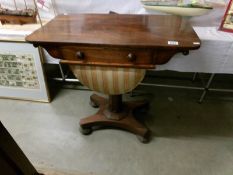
(176, 113)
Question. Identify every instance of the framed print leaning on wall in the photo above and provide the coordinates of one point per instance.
(21, 72)
(227, 22)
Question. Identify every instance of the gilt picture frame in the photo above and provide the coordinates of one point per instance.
(227, 22)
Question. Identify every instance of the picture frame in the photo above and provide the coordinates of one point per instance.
(227, 22)
(21, 72)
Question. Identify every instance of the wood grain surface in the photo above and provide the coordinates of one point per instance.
(138, 41)
(117, 30)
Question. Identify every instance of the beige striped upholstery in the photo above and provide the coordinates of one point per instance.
(109, 80)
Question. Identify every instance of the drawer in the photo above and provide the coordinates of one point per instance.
(117, 57)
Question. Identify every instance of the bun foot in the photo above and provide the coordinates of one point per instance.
(85, 131)
(145, 138)
(93, 104)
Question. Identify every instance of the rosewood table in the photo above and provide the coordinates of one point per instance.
(110, 54)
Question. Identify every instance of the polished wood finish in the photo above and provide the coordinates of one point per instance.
(100, 56)
(133, 41)
(112, 116)
(112, 40)
(12, 159)
(117, 30)
(115, 103)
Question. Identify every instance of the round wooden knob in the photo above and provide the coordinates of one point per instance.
(80, 55)
(131, 57)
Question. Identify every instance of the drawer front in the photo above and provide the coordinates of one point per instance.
(120, 57)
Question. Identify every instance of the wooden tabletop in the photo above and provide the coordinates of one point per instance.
(118, 30)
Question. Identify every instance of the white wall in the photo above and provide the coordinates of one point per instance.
(84, 6)
(99, 6)
(104, 6)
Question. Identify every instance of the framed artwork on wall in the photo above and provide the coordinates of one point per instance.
(227, 22)
(21, 72)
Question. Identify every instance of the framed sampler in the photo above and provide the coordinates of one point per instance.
(21, 72)
(227, 22)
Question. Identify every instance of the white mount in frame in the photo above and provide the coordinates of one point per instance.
(21, 72)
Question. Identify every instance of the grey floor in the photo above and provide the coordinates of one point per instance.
(188, 138)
